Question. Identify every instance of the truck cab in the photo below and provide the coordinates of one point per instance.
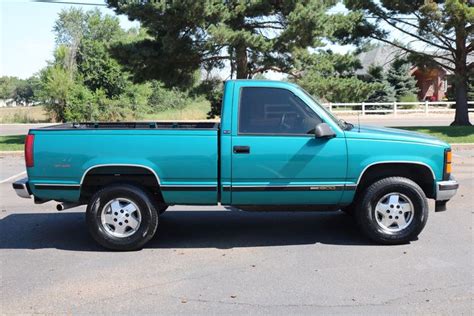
(276, 148)
(269, 149)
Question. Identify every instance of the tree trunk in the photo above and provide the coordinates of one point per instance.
(460, 88)
(241, 62)
(460, 78)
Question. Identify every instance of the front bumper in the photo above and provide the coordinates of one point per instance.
(21, 188)
(445, 190)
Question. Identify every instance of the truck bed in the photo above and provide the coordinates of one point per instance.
(182, 155)
(134, 125)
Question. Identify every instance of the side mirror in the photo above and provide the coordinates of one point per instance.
(323, 130)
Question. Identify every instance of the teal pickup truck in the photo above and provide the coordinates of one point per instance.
(275, 149)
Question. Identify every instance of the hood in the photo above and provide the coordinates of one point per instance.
(394, 134)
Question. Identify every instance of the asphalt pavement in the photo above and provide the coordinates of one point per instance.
(213, 260)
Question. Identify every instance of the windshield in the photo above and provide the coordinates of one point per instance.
(342, 124)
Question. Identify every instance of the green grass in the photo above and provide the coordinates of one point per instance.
(33, 114)
(11, 143)
(195, 111)
(449, 134)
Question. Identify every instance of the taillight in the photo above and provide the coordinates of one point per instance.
(30, 139)
(447, 164)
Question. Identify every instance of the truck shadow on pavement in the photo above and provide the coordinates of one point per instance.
(188, 229)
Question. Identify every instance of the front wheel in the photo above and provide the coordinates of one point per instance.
(122, 217)
(392, 211)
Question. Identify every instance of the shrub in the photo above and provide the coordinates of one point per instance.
(162, 99)
(212, 89)
(81, 105)
(410, 97)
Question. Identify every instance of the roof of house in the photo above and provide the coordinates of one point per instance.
(384, 56)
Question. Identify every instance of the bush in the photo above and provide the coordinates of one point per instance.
(162, 99)
(81, 105)
(411, 97)
(212, 89)
(85, 105)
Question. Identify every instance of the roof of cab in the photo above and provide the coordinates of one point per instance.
(263, 81)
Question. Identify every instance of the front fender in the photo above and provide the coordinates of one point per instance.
(364, 153)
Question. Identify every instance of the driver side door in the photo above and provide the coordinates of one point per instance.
(276, 158)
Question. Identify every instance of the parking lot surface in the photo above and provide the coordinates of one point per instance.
(217, 260)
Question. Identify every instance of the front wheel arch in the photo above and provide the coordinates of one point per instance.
(420, 173)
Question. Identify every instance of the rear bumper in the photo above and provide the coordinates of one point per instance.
(21, 188)
(445, 190)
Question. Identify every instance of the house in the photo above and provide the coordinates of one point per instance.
(8, 103)
(433, 83)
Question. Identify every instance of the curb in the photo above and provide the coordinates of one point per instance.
(465, 146)
(11, 152)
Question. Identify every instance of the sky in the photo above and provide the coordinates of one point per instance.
(27, 40)
(26, 37)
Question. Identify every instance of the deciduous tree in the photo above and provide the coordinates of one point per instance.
(441, 31)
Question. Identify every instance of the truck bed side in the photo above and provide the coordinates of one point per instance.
(183, 161)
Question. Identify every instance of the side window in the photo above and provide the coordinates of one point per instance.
(274, 111)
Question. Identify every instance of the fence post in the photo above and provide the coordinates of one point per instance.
(330, 106)
(363, 108)
(395, 107)
(426, 106)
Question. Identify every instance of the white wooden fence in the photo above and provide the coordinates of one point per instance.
(394, 107)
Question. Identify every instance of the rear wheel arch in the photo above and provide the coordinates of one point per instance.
(99, 176)
(420, 173)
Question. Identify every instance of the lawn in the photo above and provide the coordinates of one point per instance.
(449, 134)
(11, 143)
(33, 114)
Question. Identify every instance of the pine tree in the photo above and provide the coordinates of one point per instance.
(386, 93)
(249, 36)
(400, 79)
(329, 76)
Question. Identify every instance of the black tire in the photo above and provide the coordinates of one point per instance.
(366, 215)
(146, 207)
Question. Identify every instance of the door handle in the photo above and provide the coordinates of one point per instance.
(241, 150)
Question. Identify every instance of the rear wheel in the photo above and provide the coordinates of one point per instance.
(392, 211)
(122, 217)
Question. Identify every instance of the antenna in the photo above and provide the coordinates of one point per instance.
(358, 121)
